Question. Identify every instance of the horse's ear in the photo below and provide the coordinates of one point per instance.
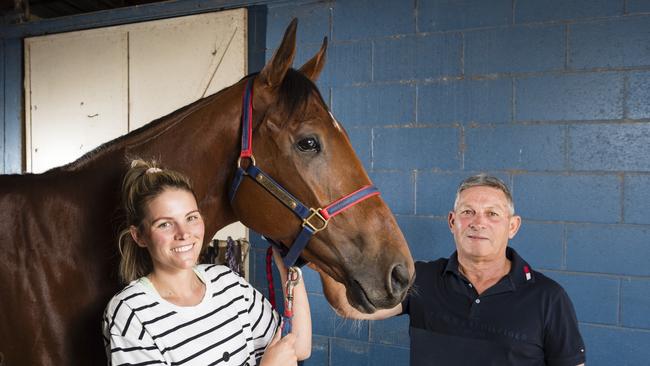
(274, 71)
(313, 67)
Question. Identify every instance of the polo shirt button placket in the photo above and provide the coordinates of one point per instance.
(478, 301)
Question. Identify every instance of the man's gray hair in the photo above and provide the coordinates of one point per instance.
(484, 180)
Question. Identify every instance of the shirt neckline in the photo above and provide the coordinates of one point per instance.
(150, 289)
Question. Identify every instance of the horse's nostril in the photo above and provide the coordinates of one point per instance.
(399, 280)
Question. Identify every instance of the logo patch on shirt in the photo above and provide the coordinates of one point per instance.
(527, 273)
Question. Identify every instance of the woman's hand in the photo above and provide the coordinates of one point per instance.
(280, 351)
(301, 322)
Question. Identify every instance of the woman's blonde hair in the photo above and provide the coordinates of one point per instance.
(143, 182)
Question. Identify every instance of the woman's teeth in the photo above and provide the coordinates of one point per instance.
(184, 248)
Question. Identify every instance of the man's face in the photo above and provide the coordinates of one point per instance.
(482, 224)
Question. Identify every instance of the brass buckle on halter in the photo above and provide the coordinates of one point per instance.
(316, 213)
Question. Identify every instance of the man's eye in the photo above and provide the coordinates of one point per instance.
(308, 144)
(467, 212)
(493, 214)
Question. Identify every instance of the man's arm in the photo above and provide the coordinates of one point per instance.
(335, 294)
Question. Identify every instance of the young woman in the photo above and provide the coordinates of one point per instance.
(174, 311)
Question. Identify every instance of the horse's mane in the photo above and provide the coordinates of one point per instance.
(156, 127)
(294, 92)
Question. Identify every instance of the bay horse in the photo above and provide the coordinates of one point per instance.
(58, 229)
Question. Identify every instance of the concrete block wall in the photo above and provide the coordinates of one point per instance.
(552, 96)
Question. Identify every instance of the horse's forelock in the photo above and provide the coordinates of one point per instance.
(295, 91)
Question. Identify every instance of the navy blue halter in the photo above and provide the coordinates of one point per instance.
(313, 219)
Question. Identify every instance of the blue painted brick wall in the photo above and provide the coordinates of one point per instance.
(561, 97)
(612, 147)
(620, 346)
(635, 302)
(389, 19)
(514, 49)
(427, 56)
(531, 147)
(374, 106)
(555, 10)
(550, 96)
(639, 94)
(466, 101)
(635, 203)
(610, 43)
(444, 15)
(613, 249)
(542, 244)
(586, 198)
(427, 148)
(638, 6)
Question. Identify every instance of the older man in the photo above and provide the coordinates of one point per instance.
(484, 305)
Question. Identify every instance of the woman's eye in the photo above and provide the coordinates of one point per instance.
(308, 144)
(193, 218)
(164, 225)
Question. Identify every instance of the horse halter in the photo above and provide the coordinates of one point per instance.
(313, 219)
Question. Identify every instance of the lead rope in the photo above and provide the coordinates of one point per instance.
(294, 274)
(269, 276)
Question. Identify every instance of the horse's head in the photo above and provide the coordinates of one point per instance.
(298, 142)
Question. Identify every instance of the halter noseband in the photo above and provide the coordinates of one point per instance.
(313, 219)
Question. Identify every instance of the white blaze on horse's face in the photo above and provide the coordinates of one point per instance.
(335, 122)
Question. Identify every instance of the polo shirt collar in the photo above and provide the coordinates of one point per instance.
(520, 271)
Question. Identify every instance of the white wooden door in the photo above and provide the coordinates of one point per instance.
(88, 87)
(76, 95)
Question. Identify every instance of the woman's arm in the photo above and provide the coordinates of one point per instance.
(301, 322)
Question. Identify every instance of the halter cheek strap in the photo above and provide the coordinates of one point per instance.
(313, 219)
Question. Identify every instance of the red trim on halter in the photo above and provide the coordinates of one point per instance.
(248, 105)
(325, 211)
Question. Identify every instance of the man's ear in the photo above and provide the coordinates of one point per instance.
(515, 224)
(451, 220)
(135, 234)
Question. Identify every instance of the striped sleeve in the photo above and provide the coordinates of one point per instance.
(125, 339)
(264, 320)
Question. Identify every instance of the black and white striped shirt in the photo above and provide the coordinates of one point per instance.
(231, 326)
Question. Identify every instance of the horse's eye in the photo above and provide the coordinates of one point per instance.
(308, 144)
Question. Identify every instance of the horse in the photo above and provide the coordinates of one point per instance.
(59, 229)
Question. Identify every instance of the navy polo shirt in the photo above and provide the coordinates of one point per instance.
(524, 319)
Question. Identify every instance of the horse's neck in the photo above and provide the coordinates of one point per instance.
(204, 144)
(201, 141)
